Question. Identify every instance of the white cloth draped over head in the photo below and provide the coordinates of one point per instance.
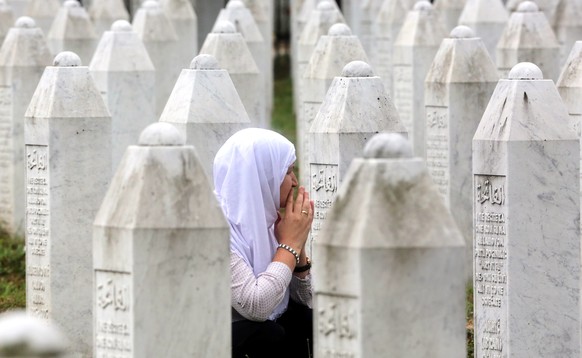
(248, 171)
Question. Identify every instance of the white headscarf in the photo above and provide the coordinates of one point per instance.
(248, 171)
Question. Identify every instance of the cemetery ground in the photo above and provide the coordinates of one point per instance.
(12, 256)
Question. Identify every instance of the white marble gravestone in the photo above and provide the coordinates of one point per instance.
(458, 87)
(105, 12)
(23, 57)
(355, 108)
(67, 133)
(231, 51)
(24, 336)
(6, 19)
(126, 77)
(182, 15)
(320, 20)
(487, 18)
(206, 108)
(528, 37)
(43, 12)
(385, 29)
(414, 50)
(380, 276)
(570, 87)
(549, 7)
(568, 26)
(161, 246)
(72, 30)
(526, 198)
(332, 53)
(450, 11)
(263, 13)
(237, 13)
(160, 39)
(368, 15)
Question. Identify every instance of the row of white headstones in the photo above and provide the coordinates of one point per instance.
(160, 205)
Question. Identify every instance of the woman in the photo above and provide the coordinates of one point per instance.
(271, 282)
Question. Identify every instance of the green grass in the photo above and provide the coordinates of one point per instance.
(469, 319)
(283, 116)
(12, 272)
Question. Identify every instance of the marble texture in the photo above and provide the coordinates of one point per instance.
(104, 13)
(206, 108)
(526, 167)
(568, 26)
(6, 19)
(263, 11)
(549, 7)
(458, 87)
(43, 12)
(450, 11)
(161, 249)
(487, 18)
(528, 37)
(237, 13)
(379, 276)
(126, 78)
(157, 33)
(570, 88)
(23, 57)
(231, 51)
(182, 15)
(320, 20)
(414, 49)
(355, 108)
(385, 28)
(368, 13)
(67, 132)
(72, 30)
(333, 51)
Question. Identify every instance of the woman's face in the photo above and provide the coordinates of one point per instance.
(288, 184)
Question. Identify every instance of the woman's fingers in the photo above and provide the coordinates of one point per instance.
(289, 203)
(299, 201)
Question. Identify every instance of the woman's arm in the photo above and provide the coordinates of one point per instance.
(255, 298)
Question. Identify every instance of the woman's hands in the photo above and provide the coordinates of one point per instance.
(293, 229)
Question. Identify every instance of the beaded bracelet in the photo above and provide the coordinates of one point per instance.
(291, 250)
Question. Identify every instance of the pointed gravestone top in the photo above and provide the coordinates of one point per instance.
(235, 4)
(462, 32)
(72, 22)
(161, 134)
(422, 6)
(42, 8)
(325, 6)
(357, 69)
(204, 62)
(25, 22)
(339, 30)
(525, 71)
(179, 9)
(25, 45)
(388, 146)
(67, 59)
(121, 26)
(224, 27)
(528, 6)
(152, 24)
(115, 9)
